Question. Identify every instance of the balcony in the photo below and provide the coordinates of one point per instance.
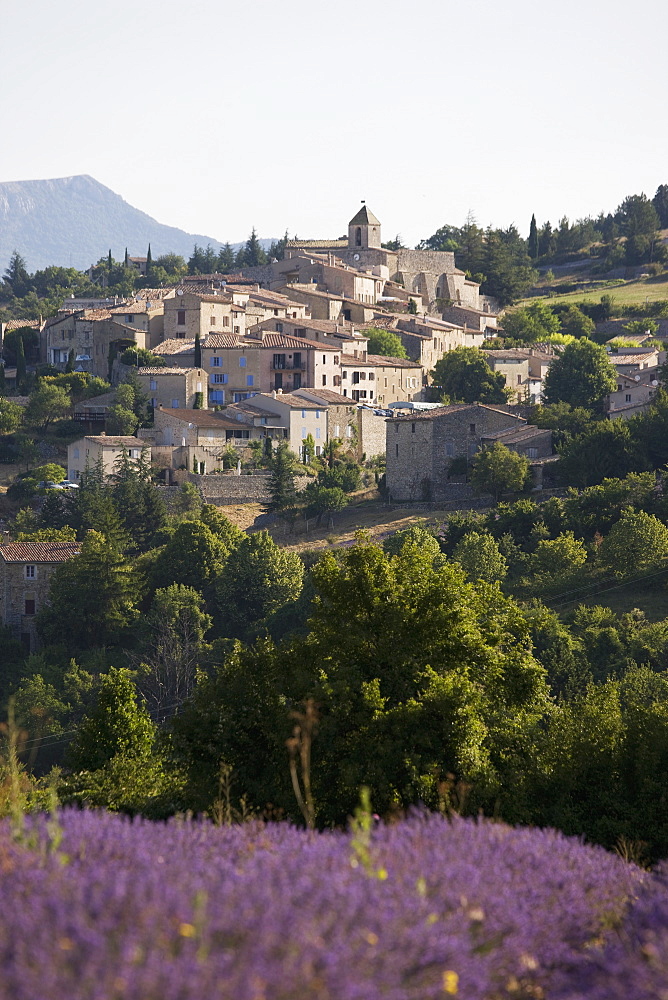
(289, 366)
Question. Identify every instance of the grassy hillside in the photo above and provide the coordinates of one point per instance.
(624, 293)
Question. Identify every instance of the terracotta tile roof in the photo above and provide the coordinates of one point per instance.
(115, 440)
(18, 324)
(132, 308)
(93, 314)
(442, 411)
(174, 346)
(350, 359)
(629, 359)
(221, 340)
(38, 552)
(154, 293)
(274, 340)
(389, 362)
(321, 244)
(176, 370)
(201, 418)
(327, 395)
(297, 402)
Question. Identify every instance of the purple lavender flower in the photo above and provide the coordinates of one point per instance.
(189, 911)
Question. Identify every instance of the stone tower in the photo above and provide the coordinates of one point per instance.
(364, 231)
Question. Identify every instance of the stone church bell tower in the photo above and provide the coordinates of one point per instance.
(364, 231)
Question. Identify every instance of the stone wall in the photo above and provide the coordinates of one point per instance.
(229, 488)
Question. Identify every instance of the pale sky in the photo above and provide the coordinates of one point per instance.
(215, 116)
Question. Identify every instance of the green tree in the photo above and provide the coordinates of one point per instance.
(321, 500)
(116, 725)
(465, 376)
(562, 417)
(252, 254)
(16, 276)
(11, 415)
(281, 488)
(531, 323)
(174, 647)
(259, 579)
(557, 557)
(198, 352)
(479, 556)
(532, 247)
(581, 376)
(141, 357)
(660, 203)
(194, 556)
(92, 597)
(497, 470)
(604, 451)
(574, 323)
(47, 403)
(385, 343)
(638, 541)
(20, 362)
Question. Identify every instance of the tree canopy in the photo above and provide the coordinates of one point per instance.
(464, 376)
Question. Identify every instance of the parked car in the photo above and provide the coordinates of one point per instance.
(49, 485)
(69, 484)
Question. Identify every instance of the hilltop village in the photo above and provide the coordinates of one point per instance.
(280, 352)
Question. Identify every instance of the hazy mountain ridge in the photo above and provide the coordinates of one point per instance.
(73, 221)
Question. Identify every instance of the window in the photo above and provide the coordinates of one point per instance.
(217, 396)
(324, 359)
(396, 428)
(372, 376)
(317, 414)
(303, 414)
(75, 453)
(153, 384)
(218, 379)
(304, 433)
(249, 380)
(519, 380)
(279, 328)
(472, 428)
(242, 362)
(175, 404)
(324, 380)
(396, 450)
(336, 359)
(344, 374)
(154, 402)
(226, 320)
(628, 397)
(237, 329)
(532, 453)
(30, 572)
(317, 433)
(216, 362)
(337, 430)
(180, 317)
(449, 449)
(241, 434)
(29, 606)
(412, 428)
(129, 319)
(134, 452)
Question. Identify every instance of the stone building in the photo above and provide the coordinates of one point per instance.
(25, 573)
(196, 312)
(194, 440)
(430, 274)
(176, 387)
(420, 447)
(87, 452)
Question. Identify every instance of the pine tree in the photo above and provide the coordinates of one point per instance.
(226, 259)
(282, 490)
(533, 239)
(254, 255)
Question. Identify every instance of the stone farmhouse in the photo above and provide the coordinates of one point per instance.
(25, 573)
(191, 313)
(421, 446)
(89, 450)
(194, 440)
(176, 387)
(634, 393)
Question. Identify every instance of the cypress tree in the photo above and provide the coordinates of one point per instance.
(110, 261)
(282, 490)
(533, 239)
(20, 362)
(126, 259)
(198, 351)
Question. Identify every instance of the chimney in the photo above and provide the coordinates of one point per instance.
(273, 393)
(279, 392)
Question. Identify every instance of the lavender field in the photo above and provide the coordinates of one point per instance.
(106, 908)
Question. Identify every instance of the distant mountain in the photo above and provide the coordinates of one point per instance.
(73, 221)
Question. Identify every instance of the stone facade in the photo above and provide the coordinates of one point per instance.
(175, 387)
(420, 447)
(194, 313)
(25, 573)
(87, 451)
